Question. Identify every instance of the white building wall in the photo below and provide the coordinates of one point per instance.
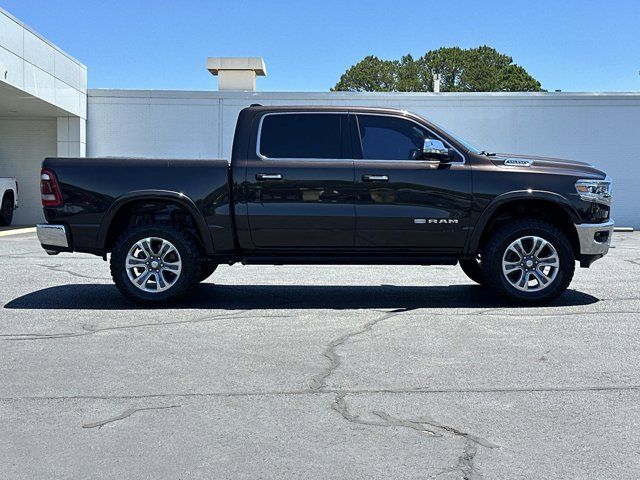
(24, 143)
(43, 109)
(153, 124)
(598, 128)
(36, 66)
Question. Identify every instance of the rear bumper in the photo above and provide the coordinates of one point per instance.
(53, 238)
(595, 240)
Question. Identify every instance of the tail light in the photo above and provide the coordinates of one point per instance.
(49, 189)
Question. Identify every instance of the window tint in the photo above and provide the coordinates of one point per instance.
(391, 138)
(300, 135)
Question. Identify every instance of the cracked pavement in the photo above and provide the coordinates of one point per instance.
(316, 371)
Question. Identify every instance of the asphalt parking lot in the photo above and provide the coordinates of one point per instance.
(316, 372)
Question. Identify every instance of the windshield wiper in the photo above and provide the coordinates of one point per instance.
(487, 154)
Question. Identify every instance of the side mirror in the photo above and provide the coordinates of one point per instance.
(435, 150)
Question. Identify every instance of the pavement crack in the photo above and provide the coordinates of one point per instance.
(123, 415)
(39, 336)
(370, 391)
(465, 465)
(391, 421)
(466, 462)
(90, 329)
(423, 424)
(319, 382)
(58, 268)
(483, 442)
(497, 313)
(340, 406)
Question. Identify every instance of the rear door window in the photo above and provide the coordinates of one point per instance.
(300, 135)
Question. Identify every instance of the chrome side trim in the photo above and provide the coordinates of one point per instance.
(588, 244)
(347, 112)
(52, 235)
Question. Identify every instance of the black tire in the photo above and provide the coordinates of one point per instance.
(6, 211)
(206, 269)
(473, 269)
(492, 257)
(189, 259)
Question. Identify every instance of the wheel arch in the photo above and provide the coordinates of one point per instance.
(549, 206)
(121, 208)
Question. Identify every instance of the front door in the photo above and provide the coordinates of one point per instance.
(402, 201)
(299, 184)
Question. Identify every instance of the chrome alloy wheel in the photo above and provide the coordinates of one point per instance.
(530, 263)
(153, 264)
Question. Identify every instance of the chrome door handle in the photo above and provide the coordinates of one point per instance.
(375, 178)
(268, 176)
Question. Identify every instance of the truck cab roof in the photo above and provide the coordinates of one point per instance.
(325, 108)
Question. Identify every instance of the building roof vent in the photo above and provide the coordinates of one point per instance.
(237, 73)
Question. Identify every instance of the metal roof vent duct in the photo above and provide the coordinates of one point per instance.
(237, 73)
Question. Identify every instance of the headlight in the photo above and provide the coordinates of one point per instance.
(595, 190)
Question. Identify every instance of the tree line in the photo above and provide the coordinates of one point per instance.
(480, 69)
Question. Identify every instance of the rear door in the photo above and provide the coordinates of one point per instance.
(299, 182)
(403, 201)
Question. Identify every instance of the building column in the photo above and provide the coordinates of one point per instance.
(72, 137)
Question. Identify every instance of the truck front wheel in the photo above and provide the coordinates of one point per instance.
(153, 264)
(529, 262)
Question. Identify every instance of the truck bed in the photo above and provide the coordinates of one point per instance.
(94, 189)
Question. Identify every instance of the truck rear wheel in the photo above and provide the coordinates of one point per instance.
(153, 264)
(528, 262)
(472, 267)
(6, 210)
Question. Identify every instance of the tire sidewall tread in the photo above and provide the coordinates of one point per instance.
(495, 248)
(189, 255)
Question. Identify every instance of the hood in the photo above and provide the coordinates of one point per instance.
(548, 165)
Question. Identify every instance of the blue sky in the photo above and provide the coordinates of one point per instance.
(568, 45)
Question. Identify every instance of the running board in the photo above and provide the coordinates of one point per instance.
(347, 260)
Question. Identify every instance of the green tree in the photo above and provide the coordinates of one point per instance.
(449, 62)
(481, 69)
(407, 75)
(516, 79)
(368, 75)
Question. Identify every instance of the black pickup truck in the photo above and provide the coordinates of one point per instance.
(331, 185)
